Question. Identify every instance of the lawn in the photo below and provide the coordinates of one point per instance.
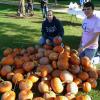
(25, 32)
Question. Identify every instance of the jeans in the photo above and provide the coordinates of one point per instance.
(88, 52)
(43, 41)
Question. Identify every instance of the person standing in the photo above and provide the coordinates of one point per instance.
(91, 31)
(51, 27)
(29, 7)
(44, 7)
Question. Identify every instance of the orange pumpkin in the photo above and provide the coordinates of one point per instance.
(28, 66)
(83, 76)
(38, 98)
(57, 40)
(5, 70)
(56, 85)
(7, 51)
(25, 84)
(58, 49)
(8, 60)
(10, 75)
(5, 86)
(10, 95)
(17, 77)
(61, 98)
(25, 95)
(93, 82)
(86, 86)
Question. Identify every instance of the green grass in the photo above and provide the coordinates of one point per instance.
(25, 32)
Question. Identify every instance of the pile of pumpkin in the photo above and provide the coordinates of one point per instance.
(56, 73)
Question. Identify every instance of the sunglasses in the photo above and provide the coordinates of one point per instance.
(86, 9)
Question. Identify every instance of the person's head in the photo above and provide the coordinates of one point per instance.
(50, 15)
(88, 9)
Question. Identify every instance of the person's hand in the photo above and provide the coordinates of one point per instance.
(81, 49)
(48, 41)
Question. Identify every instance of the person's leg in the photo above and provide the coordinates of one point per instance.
(90, 53)
(42, 40)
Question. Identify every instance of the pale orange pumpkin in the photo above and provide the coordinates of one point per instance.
(5, 70)
(25, 95)
(72, 88)
(25, 84)
(9, 95)
(61, 98)
(44, 60)
(43, 87)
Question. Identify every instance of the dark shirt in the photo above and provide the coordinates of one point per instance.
(52, 29)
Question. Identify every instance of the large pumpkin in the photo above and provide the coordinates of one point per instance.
(56, 85)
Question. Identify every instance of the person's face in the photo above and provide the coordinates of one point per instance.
(50, 16)
(88, 11)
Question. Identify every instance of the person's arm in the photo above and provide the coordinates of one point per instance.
(92, 41)
(43, 30)
(60, 28)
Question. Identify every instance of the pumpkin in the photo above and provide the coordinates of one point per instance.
(61, 98)
(56, 73)
(34, 78)
(50, 95)
(5, 86)
(44, 60)
(66, 77)
(25, 84)
(72, 88)
(74, 59)
(19, 70)
(5, 70)
(43, 87)
(30, 50)
(93, 74)
(53, 56)
(56, 85)
(70, 96)
(38, 98)
(75, 69)
(58, 49)
(57, 40)
(48, 47)
(25, 95)
(83, 76)
(7, 51)
(85, 61)
(28, 66)
(54, 64)
(10, 75)
(93, 82)
(83, 97)
(18, 62)
(42, 71)
(17, 77)
(8, 60)
(86, 86)
(9, 95)
(78, 81)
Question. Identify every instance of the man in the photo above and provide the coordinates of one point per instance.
(91, 32)
(44, 7)
(51, 28)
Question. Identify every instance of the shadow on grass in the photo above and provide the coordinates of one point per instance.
(72, 41)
